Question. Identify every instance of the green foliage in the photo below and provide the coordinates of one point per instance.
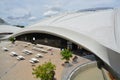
(45, 71)
(66, 54)
(12, 39)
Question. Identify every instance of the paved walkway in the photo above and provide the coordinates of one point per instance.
(12, 69)
(68, 70)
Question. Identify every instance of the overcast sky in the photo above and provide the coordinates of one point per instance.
(26, 12)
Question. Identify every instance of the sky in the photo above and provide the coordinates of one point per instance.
(27, 12)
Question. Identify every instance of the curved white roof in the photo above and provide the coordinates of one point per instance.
(97, 31)
(8, 29)
(96, 25)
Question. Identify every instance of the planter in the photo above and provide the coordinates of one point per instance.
(67, 64)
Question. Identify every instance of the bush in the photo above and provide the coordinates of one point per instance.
(12, 39)
(45, 71)
(66, 54)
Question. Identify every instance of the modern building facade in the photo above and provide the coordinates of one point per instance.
(6, 29)
(97, 31)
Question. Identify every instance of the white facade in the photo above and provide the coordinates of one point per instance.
(97, 31)
(6, 29)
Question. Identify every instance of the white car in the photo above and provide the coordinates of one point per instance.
(33, 60)
(20, 58)
(27, 51)
(39, 56)
(5, 49)
(13, 54)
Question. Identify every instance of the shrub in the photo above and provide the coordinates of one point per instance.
(66, 54)
(45, 71)
(12, 39)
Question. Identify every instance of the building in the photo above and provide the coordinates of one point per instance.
(6, 29)
(97, 31)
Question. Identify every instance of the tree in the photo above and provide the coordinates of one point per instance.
(45, 71)
(66, 54)
(12, 39)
